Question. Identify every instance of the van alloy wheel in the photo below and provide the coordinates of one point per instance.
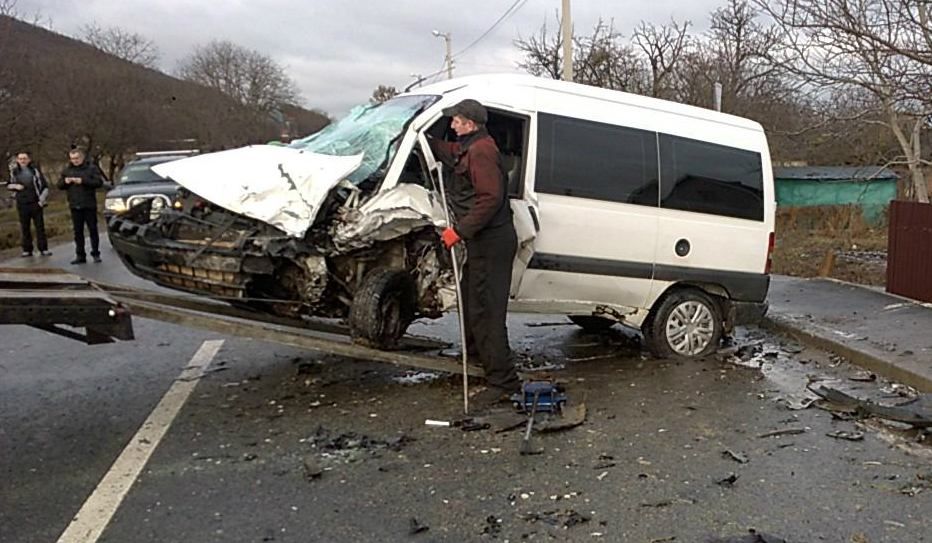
(690, 328)
(685, 323)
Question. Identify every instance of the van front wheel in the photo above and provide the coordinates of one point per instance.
(688, 324)
(382, 308)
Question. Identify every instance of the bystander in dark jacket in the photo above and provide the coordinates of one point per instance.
(30, 190)
(81, 179)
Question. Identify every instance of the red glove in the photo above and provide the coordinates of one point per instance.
(450, 238)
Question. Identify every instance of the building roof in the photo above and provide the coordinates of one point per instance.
(834, 173)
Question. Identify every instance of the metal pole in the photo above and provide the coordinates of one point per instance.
(447, 38)
(567, 27)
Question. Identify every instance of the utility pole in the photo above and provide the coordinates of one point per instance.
(448, 58)
(717, 96)
(567, 27)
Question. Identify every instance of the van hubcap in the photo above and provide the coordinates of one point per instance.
(690, 328)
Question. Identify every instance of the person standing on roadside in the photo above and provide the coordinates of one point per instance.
(81, 179)
(29, 188)
(478, 196)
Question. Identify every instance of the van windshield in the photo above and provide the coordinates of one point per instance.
(368, 129)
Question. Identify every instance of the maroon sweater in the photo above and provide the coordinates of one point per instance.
(477, 191)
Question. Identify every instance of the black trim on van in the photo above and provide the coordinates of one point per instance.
(742, 286)
(591, 266)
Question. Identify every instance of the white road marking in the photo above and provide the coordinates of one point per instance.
(95, 514)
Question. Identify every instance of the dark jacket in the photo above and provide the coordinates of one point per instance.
(35, 191)
(477, 190)
(82, 196)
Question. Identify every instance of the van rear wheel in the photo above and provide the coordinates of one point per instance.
(591, 323)
(382, 308)
(687, 324)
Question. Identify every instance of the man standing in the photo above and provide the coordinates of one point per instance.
(31, 191)
(81, 179)
(478, 197)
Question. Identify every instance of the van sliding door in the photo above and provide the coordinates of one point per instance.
(596, 185)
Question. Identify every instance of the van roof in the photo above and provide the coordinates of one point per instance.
(521, 82)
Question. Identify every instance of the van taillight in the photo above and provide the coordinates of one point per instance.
(770, 243)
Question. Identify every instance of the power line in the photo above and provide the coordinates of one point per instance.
(517, 5)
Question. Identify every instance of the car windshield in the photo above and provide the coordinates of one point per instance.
(368, 129)
(141, 172)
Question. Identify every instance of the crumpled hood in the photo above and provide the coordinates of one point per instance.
(281, 186)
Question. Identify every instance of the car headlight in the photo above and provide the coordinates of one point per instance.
(116, 205)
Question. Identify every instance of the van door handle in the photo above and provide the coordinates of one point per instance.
(534, 218)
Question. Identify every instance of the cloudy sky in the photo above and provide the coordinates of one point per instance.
(338, 51)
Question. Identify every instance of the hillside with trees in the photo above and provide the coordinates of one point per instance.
(56, 91)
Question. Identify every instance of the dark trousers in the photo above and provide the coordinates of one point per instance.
(486, 282)
(28, 216)
(81, 217)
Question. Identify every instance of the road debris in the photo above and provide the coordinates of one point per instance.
(784, 432)
(737, 457)
(753, 536)
(415, 527)
(351, 447)
(728, 481)
(441, 423)
(668, 503)
(312, 469)
(493, 526)
(565, 519)
(917, 411)
(848, 436)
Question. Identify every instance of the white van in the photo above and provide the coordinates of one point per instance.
(632, 209)
(629, 209)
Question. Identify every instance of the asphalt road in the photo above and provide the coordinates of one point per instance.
(276, 444)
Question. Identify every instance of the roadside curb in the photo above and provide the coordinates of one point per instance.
(810, 335)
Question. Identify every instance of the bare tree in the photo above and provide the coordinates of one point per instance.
(123, 44)
(663, 46)
(877, 49)
(383, 93)
(600, 59)
(254, 79)
(9, 8)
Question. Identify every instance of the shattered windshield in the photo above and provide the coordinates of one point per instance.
(368, 129)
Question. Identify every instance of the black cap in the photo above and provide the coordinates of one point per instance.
(470, 109)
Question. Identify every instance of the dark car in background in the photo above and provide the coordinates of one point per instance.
(137, 183)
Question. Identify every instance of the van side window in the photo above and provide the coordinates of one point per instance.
(709, 178)
(594, 160)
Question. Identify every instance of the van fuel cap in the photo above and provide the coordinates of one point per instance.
(682, 247)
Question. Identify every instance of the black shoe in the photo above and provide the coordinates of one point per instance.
(490, 397)
(26, 254)
(79, 260)
(96, 258)
(45, 253)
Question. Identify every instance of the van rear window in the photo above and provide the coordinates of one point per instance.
(707, 178)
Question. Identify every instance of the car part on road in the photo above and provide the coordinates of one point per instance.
(591, 323)
(916, 412)
(688, 323)
(382, 308)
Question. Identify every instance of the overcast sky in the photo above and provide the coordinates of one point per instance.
(338, 51)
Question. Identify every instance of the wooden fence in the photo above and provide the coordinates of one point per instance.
(909, 257)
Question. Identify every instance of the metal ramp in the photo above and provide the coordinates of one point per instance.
(49, 299)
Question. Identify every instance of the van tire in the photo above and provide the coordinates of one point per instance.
(668, 321)
(591, 323)
(382, 308)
